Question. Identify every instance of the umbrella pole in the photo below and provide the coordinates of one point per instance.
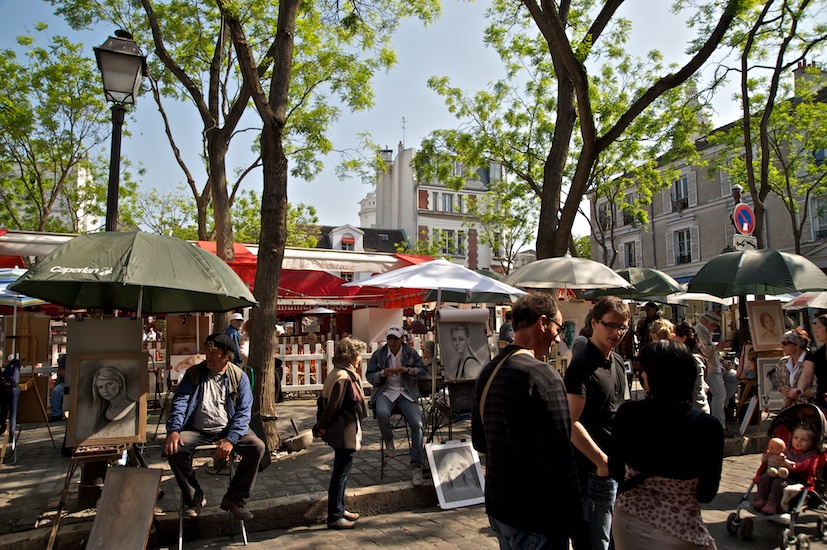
(14, 331)
(437, 347)
(140, 300)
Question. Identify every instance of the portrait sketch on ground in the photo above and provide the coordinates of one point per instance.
(770, 398)
(464, 349)
(766, 324)
(457, 474)
(125, 509)
(108, 399)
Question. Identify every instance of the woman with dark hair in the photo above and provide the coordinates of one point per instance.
(667, 456)
(685, 334)
(116, 411)
(814, 369)
(340, 425)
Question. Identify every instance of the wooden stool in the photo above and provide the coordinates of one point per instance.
(749, 385)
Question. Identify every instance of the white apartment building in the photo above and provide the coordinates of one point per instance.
(424, 210)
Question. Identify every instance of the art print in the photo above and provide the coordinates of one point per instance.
(464, 348)
(766, 324)
(108, 399)
(457, 474)
(768, 383)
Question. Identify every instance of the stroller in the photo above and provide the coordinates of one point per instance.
(810, 498)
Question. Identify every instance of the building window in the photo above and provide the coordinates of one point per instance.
(461, 204)
(449, 245)
(347, 241)
(497, 245)
(630, 254)
(819, 215)
(347, 276)
(447, 202)
(461, 243)
(604, 215)
(680, 193)
(820, 155)
(435, 202)
(683, 247)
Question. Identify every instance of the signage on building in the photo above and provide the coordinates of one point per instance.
(744, 242)
(744, 218)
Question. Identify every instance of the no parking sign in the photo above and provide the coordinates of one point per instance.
(744, 218)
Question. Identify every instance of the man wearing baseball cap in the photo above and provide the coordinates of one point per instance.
(395, 370)
(234, 332)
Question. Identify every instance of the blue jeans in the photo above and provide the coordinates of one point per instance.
(410, 410)
(598, 500)
(513, 538)
(342, 462)
(57, 399)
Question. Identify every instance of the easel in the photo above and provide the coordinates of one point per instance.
(35, 384)
(92, 454)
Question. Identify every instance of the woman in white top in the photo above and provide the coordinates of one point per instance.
(685, 334)
(795, 344)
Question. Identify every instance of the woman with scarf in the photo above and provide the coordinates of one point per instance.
(339, 424)
(790, 372)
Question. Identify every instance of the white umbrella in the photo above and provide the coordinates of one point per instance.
(816, 300)
(683, 297)
(566, 272)
(14, 299)
(325, 311)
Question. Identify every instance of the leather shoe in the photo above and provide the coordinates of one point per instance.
(341, 523)
(238, 511)
(194, 509)
(351, 516)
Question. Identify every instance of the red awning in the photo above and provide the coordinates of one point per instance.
(413, 259)
(244, 264)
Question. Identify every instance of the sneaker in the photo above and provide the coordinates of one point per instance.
(390, 448)
(351, 516)
(770, 509)
(417, 477)
(758, 503)
(194, 509)
(237, 510)
(341, 523)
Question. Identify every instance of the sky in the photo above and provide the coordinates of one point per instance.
(450, 47)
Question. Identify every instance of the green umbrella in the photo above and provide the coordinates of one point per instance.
(135, 271)
(565, 272)
(764, 271)
(647, 283)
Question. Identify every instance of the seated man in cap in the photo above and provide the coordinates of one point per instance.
(394, 370)
(212, 406)
(234, 332)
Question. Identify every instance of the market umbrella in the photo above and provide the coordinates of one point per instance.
(566, 272)
(684, 297)
(764, 271)
(647, 282)
(14, 299)
(815, 300)
(135, 271)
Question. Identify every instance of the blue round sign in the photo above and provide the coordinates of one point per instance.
(744, 219)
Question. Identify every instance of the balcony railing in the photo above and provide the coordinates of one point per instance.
(684, 259)
(679, 204)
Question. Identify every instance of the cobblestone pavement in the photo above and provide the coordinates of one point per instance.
(30, 491)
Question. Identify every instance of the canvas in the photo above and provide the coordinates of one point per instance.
(108, 399)
(125, 509)
(457, 474)
(766, 324)
(464, 348)
(769, 396)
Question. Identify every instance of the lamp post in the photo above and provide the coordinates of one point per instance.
(122, 65)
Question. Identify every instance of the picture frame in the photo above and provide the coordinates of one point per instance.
(108, 399)
(568, 332)
(766, 324)
(126, 508)
(463, 348)
(457, 473)
(769, 397)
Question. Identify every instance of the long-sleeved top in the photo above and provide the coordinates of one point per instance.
(378, 362)
(188, 395)
(344, 409)
(525, 433)
(666, 440)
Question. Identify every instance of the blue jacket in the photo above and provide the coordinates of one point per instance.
(378, 362)
(239, 400)
(235, 336)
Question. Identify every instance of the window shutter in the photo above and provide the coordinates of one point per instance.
(725, 187)
(666, 195)
(622, 256)
(693, 188)
(695, 245)
(670, 249)
(638, 253)
(807, 228)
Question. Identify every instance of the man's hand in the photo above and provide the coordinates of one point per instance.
(171, 445)
(224, 449)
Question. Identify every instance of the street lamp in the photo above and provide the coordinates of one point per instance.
(122, 65)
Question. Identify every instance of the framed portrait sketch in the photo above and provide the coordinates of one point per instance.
(464, 349)
(766, 324)
(770, 398)
(457, 474)
(568, 333)
(125, 510)
(108, 399)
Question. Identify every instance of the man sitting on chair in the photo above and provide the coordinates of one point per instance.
(394, 370)
(212, 406)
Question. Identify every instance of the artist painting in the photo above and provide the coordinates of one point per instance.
(109, 399)
(464, 350)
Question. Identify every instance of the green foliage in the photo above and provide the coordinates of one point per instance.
(583, 245)
(432, 245)
(52, 117)
(299, 219)
(171, 213)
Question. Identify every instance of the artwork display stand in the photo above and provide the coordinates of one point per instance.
(36, 385)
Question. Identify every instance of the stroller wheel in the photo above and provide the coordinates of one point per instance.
(732, 523)
(802, 542)
(821, 525)
(786, 540)
(746, 528)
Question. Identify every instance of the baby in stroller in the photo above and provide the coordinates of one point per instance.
(782, 465)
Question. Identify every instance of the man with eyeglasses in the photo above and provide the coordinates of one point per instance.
(212, 405)
(395, 370)
(521, 421)
(596, 386)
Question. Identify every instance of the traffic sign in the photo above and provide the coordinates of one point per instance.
(744, 219)
(745, 242)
